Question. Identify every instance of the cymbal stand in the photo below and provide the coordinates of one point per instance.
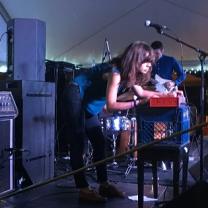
(114, 134)
(88, 155)
(114, 164)
(132, 160)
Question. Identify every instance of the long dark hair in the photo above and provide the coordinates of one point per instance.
(130, 62)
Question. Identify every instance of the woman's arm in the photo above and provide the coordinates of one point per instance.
(140, 92)
(111, 94)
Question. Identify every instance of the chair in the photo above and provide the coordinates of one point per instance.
(178, 154)
(158, 123)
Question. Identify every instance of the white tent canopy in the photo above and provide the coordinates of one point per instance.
(76, 29)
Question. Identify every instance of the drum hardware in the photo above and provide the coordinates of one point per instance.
(114, 125)
(133, 141)
(88, 155)
(131, 165)
(114, 164)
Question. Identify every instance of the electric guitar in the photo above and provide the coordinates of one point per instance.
(160, 84)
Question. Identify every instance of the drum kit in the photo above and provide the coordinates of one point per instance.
(120, 129)
(123, 128)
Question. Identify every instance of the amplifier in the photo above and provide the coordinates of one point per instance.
(6, 156)
(8, 112)
(8, 108)
(33, 129)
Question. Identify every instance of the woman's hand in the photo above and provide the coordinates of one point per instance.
(142, 101)
(172, 94)
(176, 93)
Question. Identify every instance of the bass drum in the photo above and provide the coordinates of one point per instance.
(128, 139)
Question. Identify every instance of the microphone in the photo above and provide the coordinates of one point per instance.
(158, 27)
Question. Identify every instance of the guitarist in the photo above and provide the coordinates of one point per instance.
(165, 67)
(162, 77)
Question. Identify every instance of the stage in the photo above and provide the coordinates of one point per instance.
(62, 193)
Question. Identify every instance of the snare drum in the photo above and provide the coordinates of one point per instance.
(115, 123)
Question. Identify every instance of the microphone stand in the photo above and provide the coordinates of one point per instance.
(202, 56)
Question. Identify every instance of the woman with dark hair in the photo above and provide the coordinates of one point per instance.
(84, 99)
(131, 71)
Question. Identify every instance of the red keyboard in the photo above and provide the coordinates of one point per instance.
(165, 102)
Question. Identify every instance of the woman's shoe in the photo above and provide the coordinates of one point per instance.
(91, 196)
(109, 190)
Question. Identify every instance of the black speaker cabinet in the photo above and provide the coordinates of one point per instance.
(60, 73)
(34, 130)
(194, 170)
(26, 49)
(6, 156)
(194, 197)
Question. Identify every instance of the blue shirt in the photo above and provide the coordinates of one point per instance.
(166, 66)
(93, 87)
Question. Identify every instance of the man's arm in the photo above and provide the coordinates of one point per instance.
(181, 75)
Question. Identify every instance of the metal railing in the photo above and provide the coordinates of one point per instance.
(140, 148)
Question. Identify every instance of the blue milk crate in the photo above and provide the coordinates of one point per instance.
(157, 123)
